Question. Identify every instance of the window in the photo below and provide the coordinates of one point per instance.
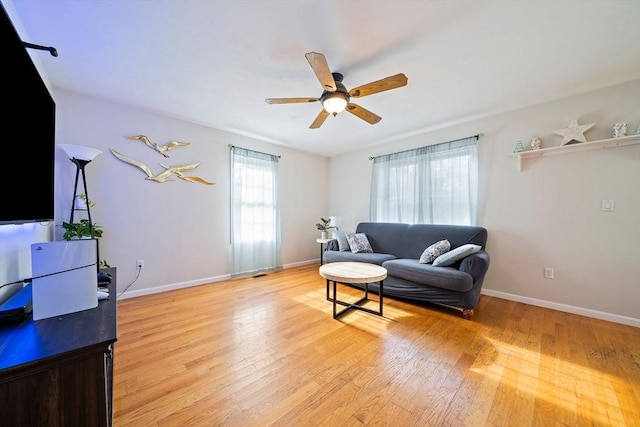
(255, 214)
(435, 184)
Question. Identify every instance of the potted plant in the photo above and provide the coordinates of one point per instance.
(81, 202)
(81, 230)
(324, 227)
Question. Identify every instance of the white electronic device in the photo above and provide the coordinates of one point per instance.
(65, 278)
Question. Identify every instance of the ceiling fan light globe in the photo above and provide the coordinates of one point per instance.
(334, 103)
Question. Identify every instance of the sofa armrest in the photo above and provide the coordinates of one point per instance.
(332, 245)
(476, 265)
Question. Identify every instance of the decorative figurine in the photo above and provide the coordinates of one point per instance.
(619, 129)
(536, 143)
(519, 147)
(574, 132)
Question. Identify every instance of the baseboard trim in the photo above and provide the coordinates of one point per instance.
(188, 284)
(172, 286)
(301, 263)
(565, 308)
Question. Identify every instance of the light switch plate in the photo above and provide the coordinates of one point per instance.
(607, 205)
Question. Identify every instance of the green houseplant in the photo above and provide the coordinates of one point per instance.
(324, 226)
(81, 230)
(82, 202)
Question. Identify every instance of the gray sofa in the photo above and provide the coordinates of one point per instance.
(398, 248)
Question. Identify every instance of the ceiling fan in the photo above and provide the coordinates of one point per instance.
(335, 98)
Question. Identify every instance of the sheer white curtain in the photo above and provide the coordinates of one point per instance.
(255, 212)
(436, 184)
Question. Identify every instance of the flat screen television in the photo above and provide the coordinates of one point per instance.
(28, 134)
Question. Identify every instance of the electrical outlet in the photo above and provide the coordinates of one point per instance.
(548, 273)
(140, 264)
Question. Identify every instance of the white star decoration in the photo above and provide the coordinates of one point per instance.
(574, 132)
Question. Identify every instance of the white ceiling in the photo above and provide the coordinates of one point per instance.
(214, 62)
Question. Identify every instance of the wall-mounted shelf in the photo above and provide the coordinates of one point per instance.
(580, 146)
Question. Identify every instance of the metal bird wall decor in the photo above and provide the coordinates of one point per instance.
(162, 149)
(178, 172)
(165, 175)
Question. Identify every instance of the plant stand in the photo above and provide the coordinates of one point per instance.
(80, 164)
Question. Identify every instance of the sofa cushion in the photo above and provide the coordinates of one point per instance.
(358, 243)
(455, 255)
(343, 243)
(348, 256)
(426, 274)
(434, 251)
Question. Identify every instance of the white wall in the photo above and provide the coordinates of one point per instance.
(180, 229)
(15, 253)
(548, 215)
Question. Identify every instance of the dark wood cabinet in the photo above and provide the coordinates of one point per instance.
(59, 371)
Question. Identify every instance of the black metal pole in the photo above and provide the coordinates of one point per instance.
(75, 189)
(80, 164)
(86, 194)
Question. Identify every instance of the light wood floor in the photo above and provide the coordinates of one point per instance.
(266, 351)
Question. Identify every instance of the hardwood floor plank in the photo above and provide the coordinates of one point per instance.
(392, 415)
(544, 408)
(266, 351)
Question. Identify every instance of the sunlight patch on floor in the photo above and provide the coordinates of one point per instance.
(366, 322)
(316, 299)
(557, 384)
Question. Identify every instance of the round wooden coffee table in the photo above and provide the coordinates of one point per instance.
(353, 272)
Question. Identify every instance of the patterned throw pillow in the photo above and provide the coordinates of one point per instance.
(358, 243)
(434, 251)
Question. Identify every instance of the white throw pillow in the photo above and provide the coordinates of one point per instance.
(434, 251)
(456, 254)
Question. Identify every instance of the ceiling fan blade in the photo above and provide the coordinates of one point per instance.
(391, 82)
(319, 65)
(322, 116)
(290, 100)
(363, 113)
